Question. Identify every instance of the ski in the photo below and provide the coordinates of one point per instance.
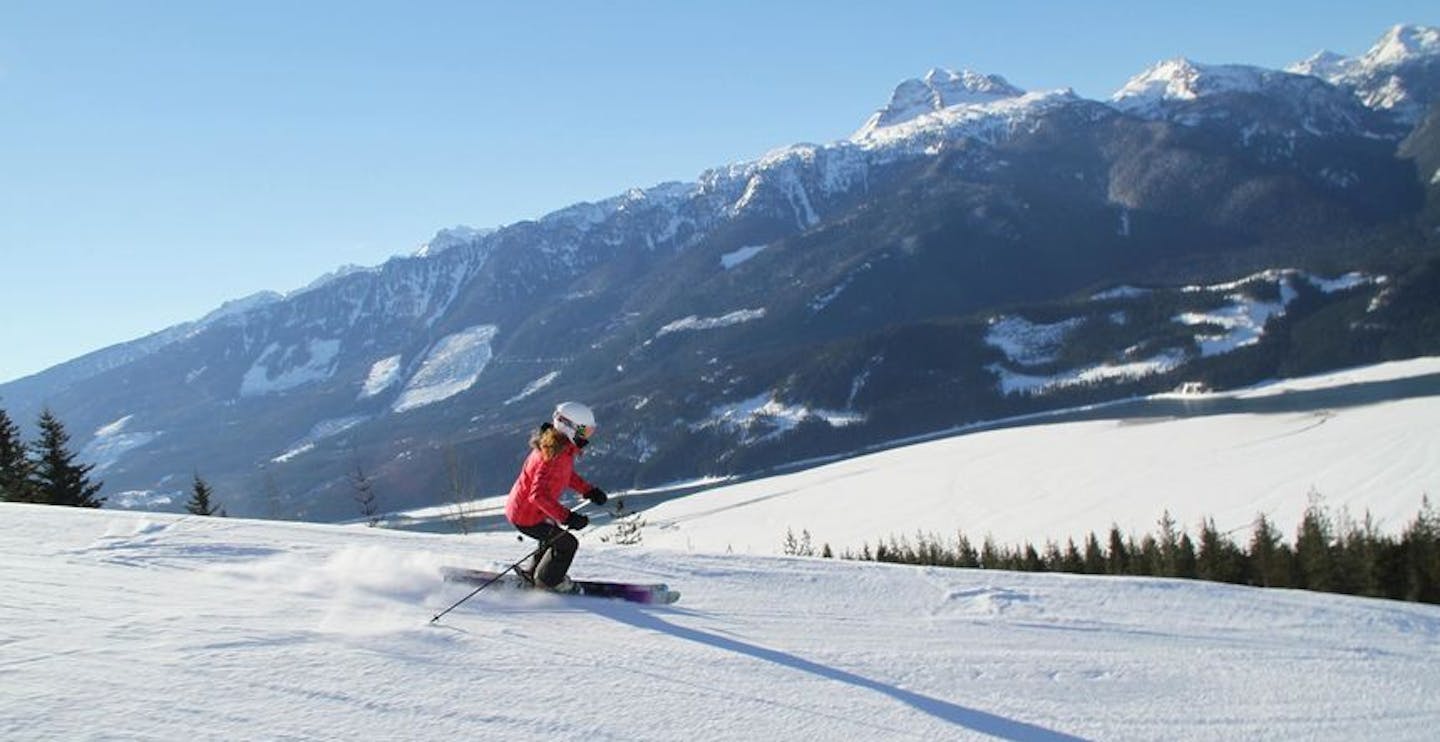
(649, 594)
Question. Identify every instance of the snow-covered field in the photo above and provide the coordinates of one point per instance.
(124, 625)
(118, 625)
(1065, 480)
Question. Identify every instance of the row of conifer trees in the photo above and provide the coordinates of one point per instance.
(1327, 554)
(46, 470)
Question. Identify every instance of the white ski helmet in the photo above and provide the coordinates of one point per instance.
(574, 419)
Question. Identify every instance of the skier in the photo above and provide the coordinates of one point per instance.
(534, 504)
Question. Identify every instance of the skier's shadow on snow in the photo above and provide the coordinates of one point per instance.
(972, 719)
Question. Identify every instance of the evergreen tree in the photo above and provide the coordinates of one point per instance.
(15, 466)
(1117, 562)
(1314, 549)
(200, 499)
(1094, 556)
(1358, 558)
(1169, 547)
(58, 478)
(364, 494)
(1031, 561)
(1351, 557)
(1053, 560)
(1072, 562)
(1269, 558)
(1185, 559)
(989, 554)
(966, 555)
(1218, 559)
(1148, 562)
(1420, 546)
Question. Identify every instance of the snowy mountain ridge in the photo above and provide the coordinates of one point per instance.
(1180, 90)
(451, 237)
(1379, 76)
(938, 89)
(923, 113)
(1184, 80)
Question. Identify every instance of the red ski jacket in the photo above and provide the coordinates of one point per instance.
(536, 493)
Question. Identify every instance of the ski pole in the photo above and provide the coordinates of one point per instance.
(492, 581)
(503, 572)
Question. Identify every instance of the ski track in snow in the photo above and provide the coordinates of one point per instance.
(126, 625)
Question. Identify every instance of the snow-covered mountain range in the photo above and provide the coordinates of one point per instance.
(821, 298)
(1397, 74)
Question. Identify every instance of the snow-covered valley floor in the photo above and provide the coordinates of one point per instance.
(1230, 456)
(130, 626)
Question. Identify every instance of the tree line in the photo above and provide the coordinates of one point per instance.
(44, 471)
(1327, 554)
(47, 472)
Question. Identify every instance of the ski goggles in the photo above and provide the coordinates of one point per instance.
(581, 431)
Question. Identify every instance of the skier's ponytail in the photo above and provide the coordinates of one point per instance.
(549, 441)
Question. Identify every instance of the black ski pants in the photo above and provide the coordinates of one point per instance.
(557, 551)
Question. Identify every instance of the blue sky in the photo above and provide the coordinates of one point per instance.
(160, 158)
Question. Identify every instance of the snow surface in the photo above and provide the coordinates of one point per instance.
(1238, 323)
(1121, 292)
(281, 368)
(824, 300)
(112, 441)
(1064, 480)
(1384, 372)
(1243, 319)
(295, 452)
(1164, 90)
(1011, 382)
(1373, 75)
(731, 259)
(693, 323)
(343, 271)
(1402, 44)
(383, 374)
(1028, 343)
(988, 122)
(1183, 80)
(132, 626)
(1242, 322)
(238, 307)
(455, 236)
(451, 367)
(534, 387)
(939, 89)
(1399, 46)
(318, 432)
(764, 417)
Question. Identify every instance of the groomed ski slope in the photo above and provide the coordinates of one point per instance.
(135, 626)
(121, 625)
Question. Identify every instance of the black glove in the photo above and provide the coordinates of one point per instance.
(596, 495)
(576, 521)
